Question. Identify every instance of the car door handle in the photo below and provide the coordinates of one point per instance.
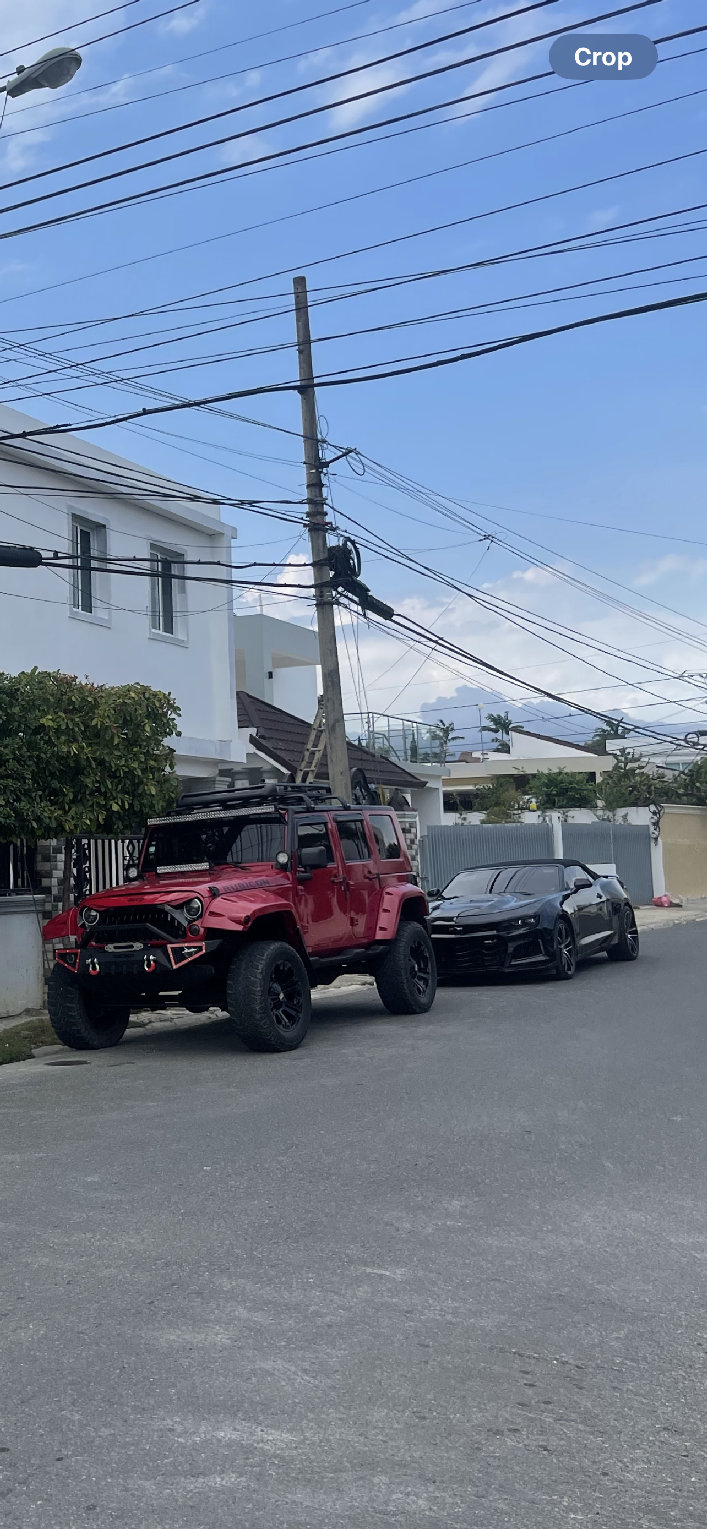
(339, 881)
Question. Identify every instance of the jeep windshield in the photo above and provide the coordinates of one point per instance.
(202, 844)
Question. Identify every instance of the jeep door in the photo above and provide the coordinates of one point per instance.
(362, 877)
(322, 903)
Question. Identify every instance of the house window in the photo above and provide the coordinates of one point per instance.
(88, 551)
(166, 587)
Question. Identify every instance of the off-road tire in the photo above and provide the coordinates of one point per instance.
(268, 996)
(81, 1020)
(406, 976)
(627, 945)
(565, 945)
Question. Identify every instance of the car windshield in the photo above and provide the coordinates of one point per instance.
(522, 880)
(201, 845)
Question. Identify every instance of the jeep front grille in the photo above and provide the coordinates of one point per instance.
(140, 923)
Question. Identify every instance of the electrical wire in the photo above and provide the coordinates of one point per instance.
(233, 74)
(189, 58)
(397, 368)
(229, 234)
(137, 198)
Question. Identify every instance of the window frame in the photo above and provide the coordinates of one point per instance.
(384, 858)
(358, 822)
(159, 556)
(318, 822)
(97, 532)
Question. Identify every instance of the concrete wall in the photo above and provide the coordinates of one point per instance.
(683, 835)
(21, 974)
(277, 661)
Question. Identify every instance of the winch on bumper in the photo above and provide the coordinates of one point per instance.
(137, 967)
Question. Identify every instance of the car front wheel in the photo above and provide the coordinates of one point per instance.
(406, 977)
(268, 996)
(83, 1020)
(565, 951)
(627, 941)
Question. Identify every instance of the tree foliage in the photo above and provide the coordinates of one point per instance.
(82, 758)
(559, 790)
(442, 734)
(611, 729)
(500, 802)
(629, 784)
(499, 724)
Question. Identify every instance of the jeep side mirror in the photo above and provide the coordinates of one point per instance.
(132, 873)
(313, 858)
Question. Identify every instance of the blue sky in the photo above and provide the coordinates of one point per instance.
(605, 425)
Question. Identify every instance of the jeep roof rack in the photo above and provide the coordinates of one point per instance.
(279, 793)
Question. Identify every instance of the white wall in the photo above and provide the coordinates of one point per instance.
(115, 645)
(524, 744)
(21, 974)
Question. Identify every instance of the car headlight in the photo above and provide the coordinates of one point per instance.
(89, 917)
(528, 921)
(194, 908)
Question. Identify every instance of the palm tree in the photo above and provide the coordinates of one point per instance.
(499, 723)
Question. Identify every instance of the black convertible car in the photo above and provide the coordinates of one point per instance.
(530, 915)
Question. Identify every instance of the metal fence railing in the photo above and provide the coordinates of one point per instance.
(17, 868)
(98, 862)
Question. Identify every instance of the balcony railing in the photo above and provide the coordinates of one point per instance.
(399, 738)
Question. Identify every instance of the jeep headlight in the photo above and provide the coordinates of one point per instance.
(89, 917)
(194, 908)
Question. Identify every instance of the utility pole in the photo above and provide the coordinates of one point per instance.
(335, 730)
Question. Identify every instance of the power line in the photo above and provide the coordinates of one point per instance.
(86, 21)
(189, 58)
(216, 238)
(279, 95)
(232, 74)
(135, 198)
(334, 380)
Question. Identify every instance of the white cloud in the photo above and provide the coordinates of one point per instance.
(625, 685)
(692, 568)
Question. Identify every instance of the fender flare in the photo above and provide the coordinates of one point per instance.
(398, 903)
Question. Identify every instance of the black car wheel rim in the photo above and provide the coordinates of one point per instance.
(420, 968)
(285, 996)
(630, 932)
(564, 945)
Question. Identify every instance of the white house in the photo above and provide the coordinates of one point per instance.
(60, 493)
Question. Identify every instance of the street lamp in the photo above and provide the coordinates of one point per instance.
(53, 69)
(20, 557)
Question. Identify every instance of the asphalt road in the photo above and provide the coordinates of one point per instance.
(429, 1272)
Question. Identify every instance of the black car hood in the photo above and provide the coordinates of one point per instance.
(504, 905)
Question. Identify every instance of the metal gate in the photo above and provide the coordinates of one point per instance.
(445, 851)
(625, 845)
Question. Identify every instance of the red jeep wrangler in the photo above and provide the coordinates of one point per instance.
(244, 900)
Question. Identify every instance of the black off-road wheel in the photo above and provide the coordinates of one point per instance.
(565, 963)
(406, 977)
(83, 1021)
(627, 944)
(268, 996)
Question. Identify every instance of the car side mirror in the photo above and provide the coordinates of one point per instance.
(581, 883)
(132, 873)
(433, 894)
(314, 858)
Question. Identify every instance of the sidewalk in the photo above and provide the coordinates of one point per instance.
(693, 909)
